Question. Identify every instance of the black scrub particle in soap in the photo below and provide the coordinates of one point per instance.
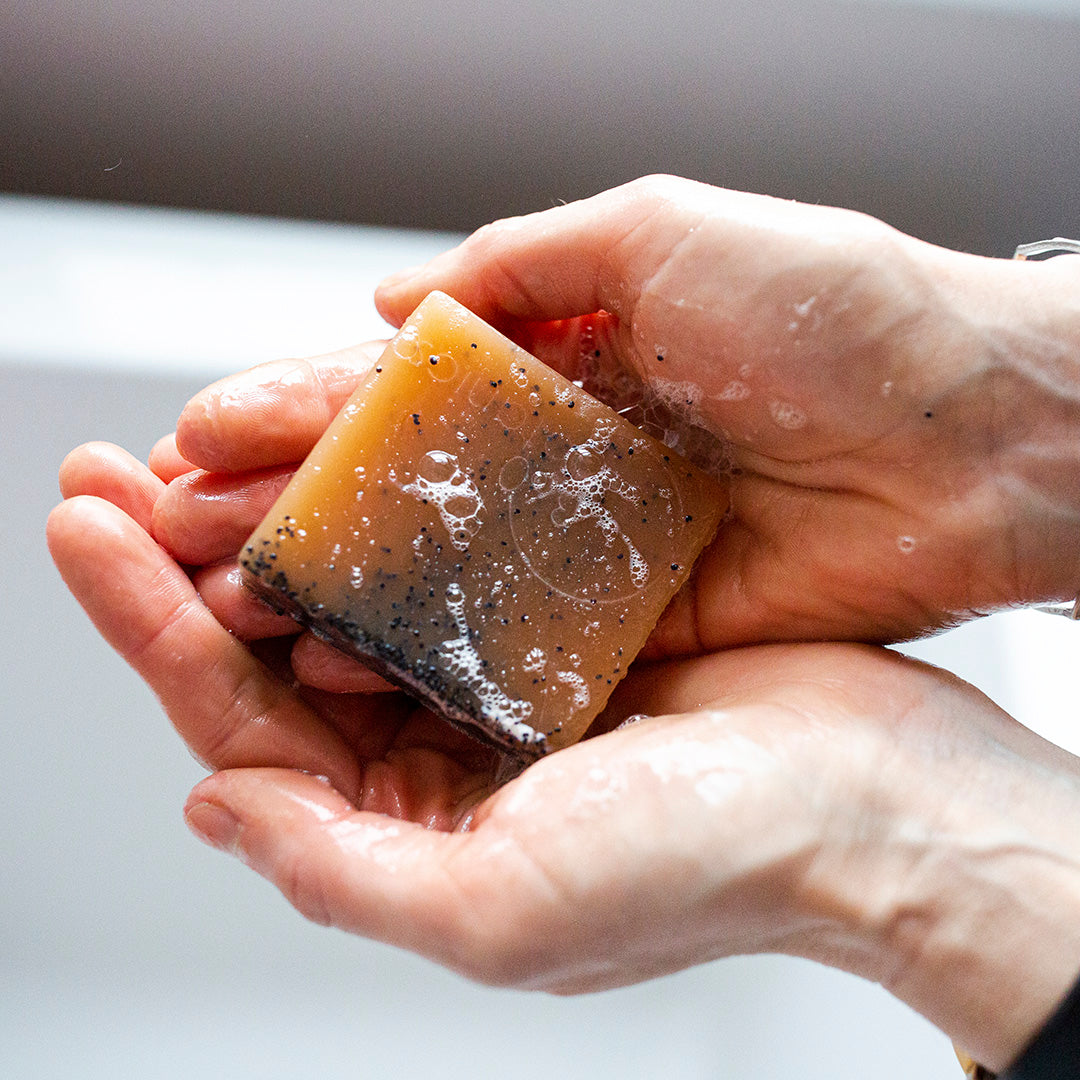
(405, 628)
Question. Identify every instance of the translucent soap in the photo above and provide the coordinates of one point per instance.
(483, 533)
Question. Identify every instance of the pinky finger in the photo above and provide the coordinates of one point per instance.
(111, 473)
(166, 461)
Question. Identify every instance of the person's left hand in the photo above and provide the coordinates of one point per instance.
(832, 801)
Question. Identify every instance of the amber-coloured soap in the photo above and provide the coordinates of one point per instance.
(484, 533)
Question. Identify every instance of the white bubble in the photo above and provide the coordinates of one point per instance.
(786, 415)
(681, 398)
(906, 544)
(509, 715)
(441, 481)
(736, 390)
(535, 660)
(577, 685)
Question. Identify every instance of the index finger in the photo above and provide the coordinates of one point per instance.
(272, 414)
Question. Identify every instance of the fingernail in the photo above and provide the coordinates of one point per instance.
(214, 825)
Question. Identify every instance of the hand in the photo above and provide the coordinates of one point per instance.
(901, 423)
(832, 801)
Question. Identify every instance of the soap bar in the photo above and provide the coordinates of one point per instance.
(484, 533)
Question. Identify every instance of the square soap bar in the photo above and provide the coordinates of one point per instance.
(484, 533)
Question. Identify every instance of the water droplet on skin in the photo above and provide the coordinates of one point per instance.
(736, 390)
(886, 388)
(906, 544)
(786, 415)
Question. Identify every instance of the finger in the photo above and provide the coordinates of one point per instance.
(111, 473)
(384, 878)
(166, 461)
(203, 517)
(592, 349)
(571, 260)
(223, 702)
(272, 414)
(236, 607)
(320, 665)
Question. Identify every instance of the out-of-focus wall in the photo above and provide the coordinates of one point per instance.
(956, 121)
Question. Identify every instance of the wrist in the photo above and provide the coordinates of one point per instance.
(953, 879)
(1022, 379)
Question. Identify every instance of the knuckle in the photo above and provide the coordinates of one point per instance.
(655, 189)
(304, 889)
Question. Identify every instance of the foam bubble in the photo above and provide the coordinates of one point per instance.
(786, 415)
(441, 481)
(577, 685)
(509, 715)
(736, 390)
(581, 486)
(535, 660)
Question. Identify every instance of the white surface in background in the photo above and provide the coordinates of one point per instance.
(1025, 661)
(134, 288)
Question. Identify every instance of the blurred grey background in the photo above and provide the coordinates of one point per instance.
(151, 156)
(956, 121)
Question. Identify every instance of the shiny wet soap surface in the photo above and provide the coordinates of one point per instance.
(485, 533)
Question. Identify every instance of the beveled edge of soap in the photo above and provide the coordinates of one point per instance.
(382, 663)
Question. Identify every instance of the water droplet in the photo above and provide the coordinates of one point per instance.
(906, 544)
(786, 415)
(581, 463)
(736, 390)
(437, 466)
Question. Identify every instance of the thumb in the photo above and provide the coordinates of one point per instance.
(366, 873)
(556, 264)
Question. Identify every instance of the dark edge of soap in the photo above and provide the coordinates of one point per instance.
(324, 628)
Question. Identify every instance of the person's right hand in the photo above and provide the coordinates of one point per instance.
(902, 422)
